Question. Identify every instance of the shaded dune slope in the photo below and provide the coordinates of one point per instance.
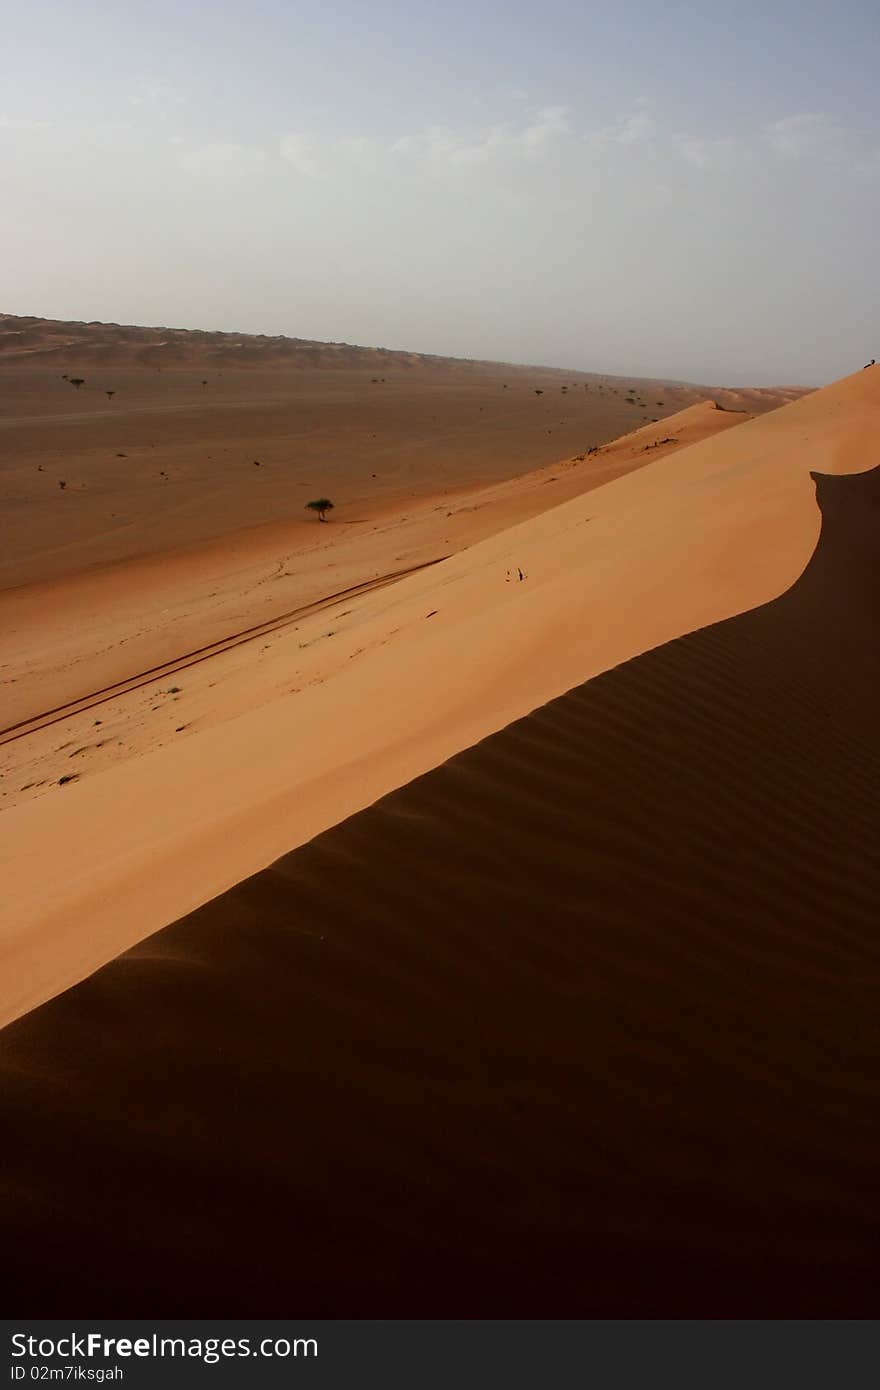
(582, 1022)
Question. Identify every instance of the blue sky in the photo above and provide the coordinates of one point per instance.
(687, 190)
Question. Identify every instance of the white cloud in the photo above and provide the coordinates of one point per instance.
(16, 123)
(220, 161)
(480, 150)
(808, 135)
(634, 129)
(360, 151)
(303, 151)
(445, 146)
(549, 123)
(706, 154)
(814, 138)
(156, 93)
(439, 143)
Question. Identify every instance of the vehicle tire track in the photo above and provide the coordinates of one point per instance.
(83, 703)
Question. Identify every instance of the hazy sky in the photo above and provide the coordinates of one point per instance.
(679, 189)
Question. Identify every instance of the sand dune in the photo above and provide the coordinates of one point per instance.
(70, 344)
(328, 718)
(74, 343)
(581, 1023)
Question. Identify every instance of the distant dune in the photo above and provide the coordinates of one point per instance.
(39, 341)
(581, 1023)
(53, 341)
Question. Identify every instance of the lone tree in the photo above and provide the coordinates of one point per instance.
(320, 505)
(77, 381)
(110, 395)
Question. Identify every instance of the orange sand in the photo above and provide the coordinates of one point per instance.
(345, 704)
